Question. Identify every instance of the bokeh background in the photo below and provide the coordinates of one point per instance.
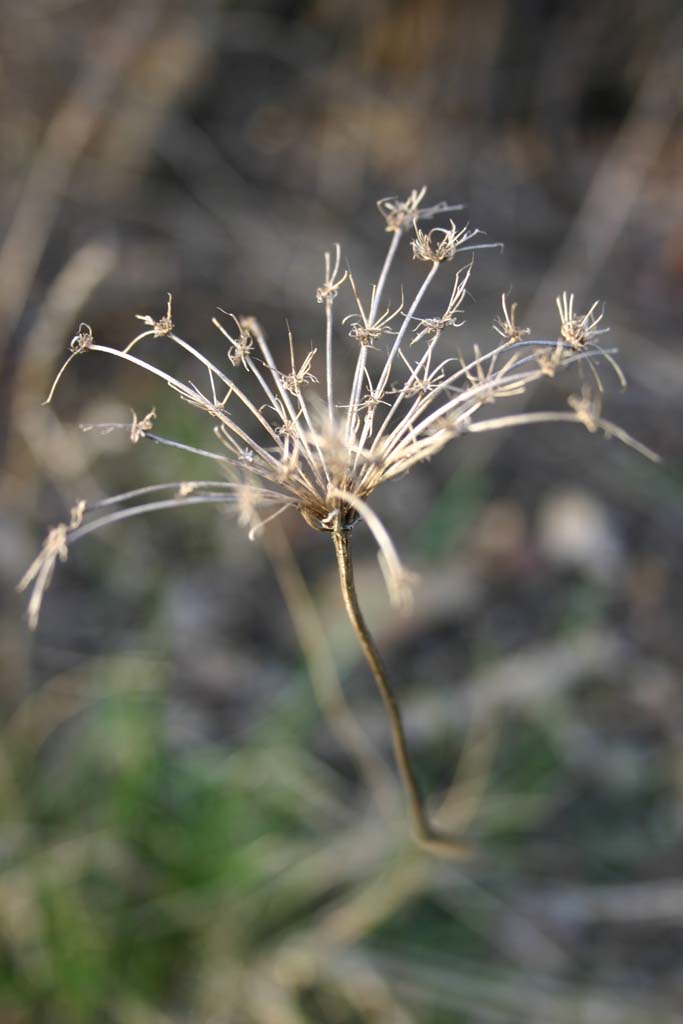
(186, 835)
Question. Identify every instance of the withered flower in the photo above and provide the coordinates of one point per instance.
(297, 447)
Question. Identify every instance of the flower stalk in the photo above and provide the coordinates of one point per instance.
(424, 833)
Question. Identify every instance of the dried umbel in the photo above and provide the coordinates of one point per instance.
(298, 446)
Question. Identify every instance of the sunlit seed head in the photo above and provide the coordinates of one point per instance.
(241, 343)
(578, 329)
(439, 245)
(507, 326)
(401, 214)
(286, 441)
(82, 340)
(294, 381)
(164, 325)
(327, 292)
(140, 428)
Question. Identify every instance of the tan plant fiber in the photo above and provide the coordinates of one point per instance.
(298, 447)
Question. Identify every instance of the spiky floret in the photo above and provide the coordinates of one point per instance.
(295, 445)
(507, 326)
(578, 329)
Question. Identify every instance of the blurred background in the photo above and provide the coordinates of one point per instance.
(199, 822)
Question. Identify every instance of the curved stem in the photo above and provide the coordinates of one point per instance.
(425, 834)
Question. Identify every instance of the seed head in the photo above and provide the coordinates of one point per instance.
(327, 292)
(433, 326)
(578, 330)
(294, 381)
(506, 325)
(400, 214)
(293, 446)
(82, 340)
(369, 325)
(140, 428)
(439, 245)
(242, 345)
(164, 325)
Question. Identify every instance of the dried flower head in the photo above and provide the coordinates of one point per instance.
(440, 244)
(400, 214)
(242, 346)
(296, 379)
(82, 340)
(369, 326)
(507, 326)
(433, 326)
(164, 325)
(140, 428)
(327, 292)
(578, 329)
(296, 445)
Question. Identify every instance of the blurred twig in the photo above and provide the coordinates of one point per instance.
(67, 135)
(612, 195)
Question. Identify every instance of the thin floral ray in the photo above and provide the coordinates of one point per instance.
(191, 394)
(243, 349)
(295, 379)
(190, 448)
(376, 293)
(458, 292)
(530, 418)
(326, 294)
(608, 357)
(157, 506)
(430, 326)
(60, 537)
(230, 384)
(183, 487)
(381, 386)
(413, 427)
(194, 396)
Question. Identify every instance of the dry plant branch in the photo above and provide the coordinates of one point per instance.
(286, 443)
